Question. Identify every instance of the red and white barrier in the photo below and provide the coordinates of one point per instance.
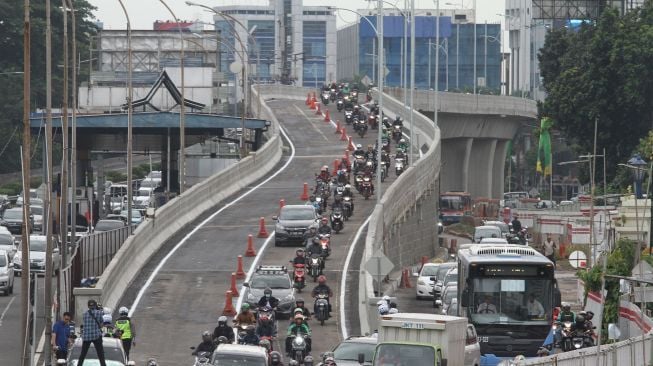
(631, 320)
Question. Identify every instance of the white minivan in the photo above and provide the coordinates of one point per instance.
(486, 231)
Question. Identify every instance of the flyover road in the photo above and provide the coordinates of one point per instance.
(179, 297)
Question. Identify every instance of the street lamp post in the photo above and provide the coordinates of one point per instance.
(130, 99)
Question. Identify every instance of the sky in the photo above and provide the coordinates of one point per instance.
(143, 13)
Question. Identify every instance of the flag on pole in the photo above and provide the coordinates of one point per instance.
(544, 149)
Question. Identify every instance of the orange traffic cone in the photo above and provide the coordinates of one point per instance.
(308, 98)
(240, 273)
(343, 135)
(407, 276)
(336, 165)
(327, 117)
(318, 111)
(250, 252)
(228, 305)
(304, 196)
(351, 146)
(338, 126)
(234, 289)
(262, 232)
(282, 203)
(312, 105)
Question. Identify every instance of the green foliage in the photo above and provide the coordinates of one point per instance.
(602, 72)
(620, 263)
(116, 176)
(11, 60)
(11, 189)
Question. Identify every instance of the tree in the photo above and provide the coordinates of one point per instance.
(11, 60)
(602, 71)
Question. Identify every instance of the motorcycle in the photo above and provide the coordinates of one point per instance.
(318, 205)
(299, 348)
(354, 96)
(362, 129)
(346, 207)
(337, 221)
(265, 322)
(366, 187)
(349, 116)
(340, 105)
(566, 333)
(298, 277)
(325, 244)
(373, 122)
(399, 166)
(203, 359)
(384, 170)
(358, 181)
(325, 98)
(396, 133)
(332, 95)
(322, 308)
(315, 266)
(359, 163)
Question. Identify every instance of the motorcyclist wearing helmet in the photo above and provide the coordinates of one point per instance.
(347, 192)
(299, 304)
(275, 359)
(245, 317)
(315, 249)
(566, 315)
(324, 226)
(580, 322)
(309, 235)
(264, 343)
(359, 150)
(223, 330)
(322, 288)
(250, 336)
(403, 145)
(299, 257)
(370, 154)
(207, 344)
(268, 300)
(324, 174)
(298, 326)
(398, 122)
(126, 330)
(337, 203)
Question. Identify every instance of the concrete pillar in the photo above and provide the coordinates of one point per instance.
(453, 173)
(499, 168)
(174, 164)
(480, 168)
(468, 153)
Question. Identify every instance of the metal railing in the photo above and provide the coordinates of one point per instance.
(92, 253)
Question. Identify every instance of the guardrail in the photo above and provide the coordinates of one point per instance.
(399, 198)
(95, 251)
(181, 211)
(633, 351)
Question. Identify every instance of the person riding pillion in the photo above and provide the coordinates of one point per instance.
(298, 326)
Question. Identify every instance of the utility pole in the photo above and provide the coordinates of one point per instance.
(412, 75)
(25, 153)
(73, 153)
(130, 96)
(63, 185)
(47, 206)
(381, 73)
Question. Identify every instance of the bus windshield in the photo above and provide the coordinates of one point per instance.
(510, 301)
(454, 203)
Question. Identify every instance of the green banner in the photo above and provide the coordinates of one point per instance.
(544, 149)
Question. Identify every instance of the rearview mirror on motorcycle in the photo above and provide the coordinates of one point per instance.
(275, 217)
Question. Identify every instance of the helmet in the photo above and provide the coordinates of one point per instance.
(330, 361)
(106, 318)
(580, 318)
(265, 344)
(386, 298)
(267, 291)
(380, 302)
(244, 307)
(107, 310)
(222, 340)
(324, 168)
(298, 310)
(566, 306)
(206, 335)
(275, 357)
(299, 301)
(402, 141)
(293, 363)
(520, 358)
(322, 279)
(359, 146)
(347, 186)
(152, 362)
(300, 252)
(123, 310)
(590, 315)
(325, 220)
(222, 320)
(316, 240)
(251, 329)
(383, 309)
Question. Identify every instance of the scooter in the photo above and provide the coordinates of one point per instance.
(315, 266)
(202, 359)
(299, 347)
(340, 105)
(298, 277)
(366, 187)
(325, 243)
(322, 308)
(336, 221)
(399, 166)
(346, 207)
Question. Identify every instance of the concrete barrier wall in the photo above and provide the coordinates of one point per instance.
(181, 211)
(399, 201)
(460, 103)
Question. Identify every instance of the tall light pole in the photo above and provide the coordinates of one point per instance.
(130, 99)
(182, 109)
(381, 73)
(412, 80)
(63, 209)
(47, 204)
(73, 139)
(475, 80)
(25, 153)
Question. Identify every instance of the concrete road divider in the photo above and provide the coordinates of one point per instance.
(250, 252)
(262, 232)
(240, 272)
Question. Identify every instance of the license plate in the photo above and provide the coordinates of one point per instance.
(295, 233)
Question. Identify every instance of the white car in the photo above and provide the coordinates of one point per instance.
(486, 231)
(426, 280)
(7, 243)
(37, 213)
(6, 274)
(472, 347)
(37, 245)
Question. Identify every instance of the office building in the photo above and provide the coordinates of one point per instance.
(456, 56)
(290, 42)
(528, 22)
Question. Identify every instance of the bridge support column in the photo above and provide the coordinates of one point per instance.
(455, 160)
(170, 147)
(481, 167)
(468, 153)
(498, 176)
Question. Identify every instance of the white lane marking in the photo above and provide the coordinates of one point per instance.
(4, 312)
(311, 124)
(343, 279)
(156, 271)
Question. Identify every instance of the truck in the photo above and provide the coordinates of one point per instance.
(421, 339)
